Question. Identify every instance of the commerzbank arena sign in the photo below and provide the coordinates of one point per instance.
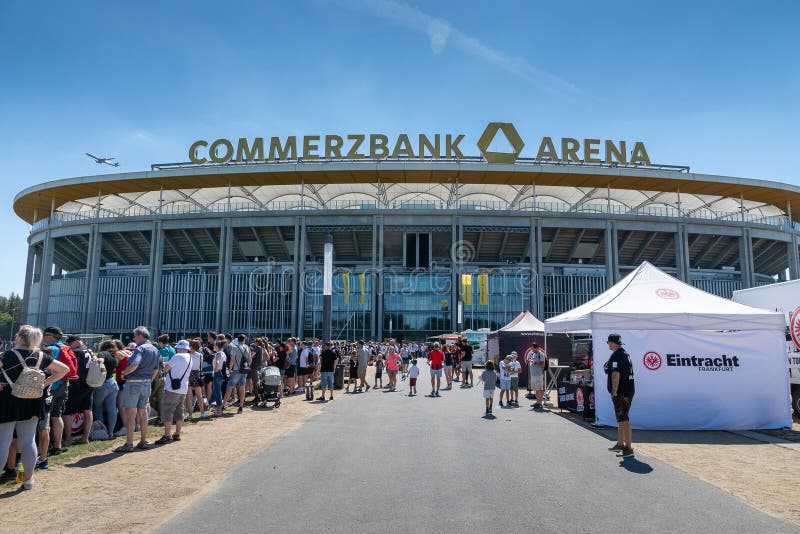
(419, 146)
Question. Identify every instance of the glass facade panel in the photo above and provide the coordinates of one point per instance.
(508, 294)
(416, 305)
(351, 309)
(562, 292)
(261, 303)
(188, 303)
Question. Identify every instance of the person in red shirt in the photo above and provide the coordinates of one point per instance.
(436, 362)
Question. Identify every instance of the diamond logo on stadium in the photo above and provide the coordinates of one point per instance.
(511, 134)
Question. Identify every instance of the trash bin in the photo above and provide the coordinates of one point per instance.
(338, 377)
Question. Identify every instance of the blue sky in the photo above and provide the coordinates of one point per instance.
(712, 84)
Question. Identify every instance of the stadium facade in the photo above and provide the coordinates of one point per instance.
(424, 243)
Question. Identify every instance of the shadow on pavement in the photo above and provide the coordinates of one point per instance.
(686, 437)
(91, 461)
(635, 466)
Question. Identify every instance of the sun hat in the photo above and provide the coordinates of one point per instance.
(182, 344)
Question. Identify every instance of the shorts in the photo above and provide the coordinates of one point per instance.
(59, 401)
(436, 372)
(622, 405)
(362, 372)
(254, 376)
(537, 381)
(505, 384)
(237, 379)
(514, 383)
(302, 371)
(326, 380)
(488, 393)
(412, 382)
(283, 373)
(155, 391)
(406, 360)
(378, 374)
(466, 366)
(171, 406)
(208, 379)
(194, 379)
(290, 372)
(448, 366)
(79, 399)
(135, 394)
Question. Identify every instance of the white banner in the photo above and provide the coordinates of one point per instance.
(700, 380)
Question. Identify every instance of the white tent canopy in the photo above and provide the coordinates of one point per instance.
(524, 322)
(650, 299)
(700, 362)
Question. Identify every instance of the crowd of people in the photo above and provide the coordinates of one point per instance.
(121, 389)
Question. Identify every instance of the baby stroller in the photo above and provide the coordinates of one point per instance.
(270, 381)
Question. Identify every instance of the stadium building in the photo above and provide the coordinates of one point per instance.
(424, 243)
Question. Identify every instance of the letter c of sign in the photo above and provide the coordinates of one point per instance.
(193, 153)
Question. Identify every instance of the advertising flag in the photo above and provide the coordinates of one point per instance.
(466, 289)
(346, 287)
(483, 289)
(361, 289)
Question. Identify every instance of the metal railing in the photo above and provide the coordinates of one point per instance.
(543, 208)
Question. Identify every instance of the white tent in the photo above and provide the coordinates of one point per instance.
(524, 322)
(700, 361)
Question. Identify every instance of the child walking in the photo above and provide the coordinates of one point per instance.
(378, 372)
(413, 373)
(353, 374)
(489, 379)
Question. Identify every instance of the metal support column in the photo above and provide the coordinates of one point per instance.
(380, 278)
(454, 280)
(44, 279)
(221, 262)
(794, 258)
(539, 287)
(682, 263)
(374, 287)
(92, 276)
(533, 303)
(154, 280)
(302, 245)
(746, 259)
(295, 318)
(26, 291)
(225, 278)
(611, 255)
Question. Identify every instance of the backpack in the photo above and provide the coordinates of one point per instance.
(68, 358)
(98, 431)
(30, 382)
(96, 373)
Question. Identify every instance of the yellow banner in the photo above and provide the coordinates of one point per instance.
(346, 287)
(466, 289)
(483, 289)
(361, 289)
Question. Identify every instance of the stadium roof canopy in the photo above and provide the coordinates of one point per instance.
(391, 183)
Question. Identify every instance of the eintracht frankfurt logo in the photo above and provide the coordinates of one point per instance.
(666, 293)
(794, 328)
(652, 360)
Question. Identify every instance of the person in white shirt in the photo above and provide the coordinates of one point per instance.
(195, 392)
(505, 380)
(413, 373)
(514, 368)
(175, 387)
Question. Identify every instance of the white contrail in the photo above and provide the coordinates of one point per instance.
(441, 33)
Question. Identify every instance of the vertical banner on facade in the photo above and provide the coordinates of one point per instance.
(700, 380)
(466, 289)
(346, 287)
(483, 289)
(361, 289)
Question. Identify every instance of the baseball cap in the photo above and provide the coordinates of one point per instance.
(513, 353)
(182, 344)
(72, 338)
(508, 357)
(309, 343)
(54, 331)
(615, 338)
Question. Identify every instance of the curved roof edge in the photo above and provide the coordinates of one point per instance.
(39, 198)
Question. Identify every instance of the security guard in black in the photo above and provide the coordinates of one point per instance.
(621, 361)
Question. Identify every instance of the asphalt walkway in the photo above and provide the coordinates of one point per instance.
(386, 462)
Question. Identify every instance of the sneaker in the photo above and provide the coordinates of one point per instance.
(433, 393)
(626, 452)
(501, 404)
(27, 485)
(367, 388)
(42, 464)
(239, 410)
(537, 406)
(204, 415)
(616, 448)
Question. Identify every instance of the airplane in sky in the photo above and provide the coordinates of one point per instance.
(107, 161)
